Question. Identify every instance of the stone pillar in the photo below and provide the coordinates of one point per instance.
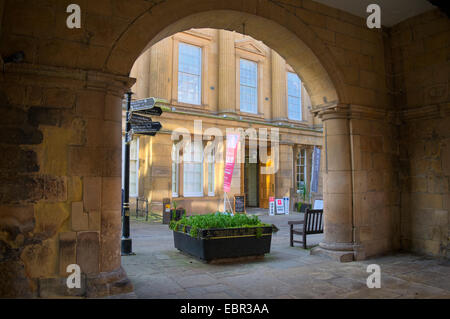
(161, 69)
(227, 72)
(279, 87)
(61, 181)
(338, 210)
(284, 176)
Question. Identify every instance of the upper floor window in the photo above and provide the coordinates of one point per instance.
(294, 97)
(248, 86)
(189, 74)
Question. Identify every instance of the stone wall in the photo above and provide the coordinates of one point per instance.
(420, 53)
(60, 180)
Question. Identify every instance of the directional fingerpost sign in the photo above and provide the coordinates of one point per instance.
(139, 117)
(138, 122)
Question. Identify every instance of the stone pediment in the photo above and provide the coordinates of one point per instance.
(250, 46)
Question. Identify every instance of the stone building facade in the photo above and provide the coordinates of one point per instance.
(216, 58)
(382, 95)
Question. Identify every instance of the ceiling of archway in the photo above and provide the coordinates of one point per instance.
(392, 11)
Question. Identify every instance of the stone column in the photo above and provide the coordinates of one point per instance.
(61, 181)
(279, 87)
(338, 210)
(227, 72)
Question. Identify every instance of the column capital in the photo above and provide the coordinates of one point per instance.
(354, 111)
(68, 78)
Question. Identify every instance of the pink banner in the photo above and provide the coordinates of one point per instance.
(232, 144)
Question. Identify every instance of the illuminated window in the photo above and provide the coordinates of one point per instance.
(189, 74)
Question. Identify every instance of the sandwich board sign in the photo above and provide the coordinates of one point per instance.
(279, 204)
(271, 206)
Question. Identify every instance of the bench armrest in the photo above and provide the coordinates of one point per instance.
(295, 222)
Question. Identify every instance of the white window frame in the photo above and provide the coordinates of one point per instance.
(290, 97)
(176, 166)
(137, 166)
(211, 167)
(302, 154)
(192, 161)
(200, 80)
(256, 88)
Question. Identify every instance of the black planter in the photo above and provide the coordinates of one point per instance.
(213, 244)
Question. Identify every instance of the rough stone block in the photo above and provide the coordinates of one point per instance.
(95, 220)
(67, 251)
(80, 220)
(88, 252)
(92, 193)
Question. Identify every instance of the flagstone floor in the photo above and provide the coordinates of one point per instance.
(160, 271)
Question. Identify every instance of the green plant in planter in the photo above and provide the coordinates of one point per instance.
(217, 220)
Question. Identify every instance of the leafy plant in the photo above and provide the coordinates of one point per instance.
(217, 220)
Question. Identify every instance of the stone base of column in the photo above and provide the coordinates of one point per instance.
(92, 286)
(107, 284)
(342, 252)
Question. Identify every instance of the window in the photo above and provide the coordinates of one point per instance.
(189, 73)
(294, 97)
(175, 171)
(248, 86)
(134, 166)
(301, 170)
(211, 173)
(193, 170)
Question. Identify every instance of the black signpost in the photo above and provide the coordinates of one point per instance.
(138, 123)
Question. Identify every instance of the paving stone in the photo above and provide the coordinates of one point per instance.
(160, 271)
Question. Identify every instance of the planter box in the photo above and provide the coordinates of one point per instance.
(214, 244)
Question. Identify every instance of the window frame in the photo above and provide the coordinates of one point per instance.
(192, 162)
(199, 75)
(202, 40)
(256, 88)
(298, 168)
(176, 164)
(133, 195)
(300, 97)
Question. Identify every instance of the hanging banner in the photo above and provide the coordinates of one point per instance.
(232, 145)
(315, 170)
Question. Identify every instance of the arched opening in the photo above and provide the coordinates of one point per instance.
(296, 54)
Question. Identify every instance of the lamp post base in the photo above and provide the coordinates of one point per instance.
(126, 247)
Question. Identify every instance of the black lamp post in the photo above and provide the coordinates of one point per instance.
(126, 244)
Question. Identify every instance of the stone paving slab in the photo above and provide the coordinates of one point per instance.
(160, 271)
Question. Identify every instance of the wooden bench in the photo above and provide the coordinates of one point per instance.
(312, 224)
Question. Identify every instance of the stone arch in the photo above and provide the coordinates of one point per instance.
(276, 26)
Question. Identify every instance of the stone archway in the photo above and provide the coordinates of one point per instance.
(64, 103)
